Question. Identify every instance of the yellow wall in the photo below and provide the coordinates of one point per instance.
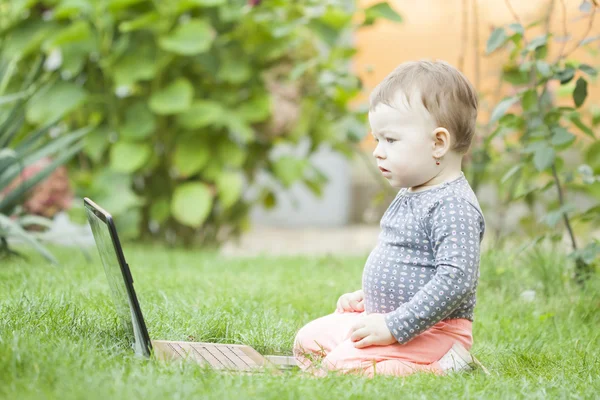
(432, 29)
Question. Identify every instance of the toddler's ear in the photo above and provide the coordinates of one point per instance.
(441, 141)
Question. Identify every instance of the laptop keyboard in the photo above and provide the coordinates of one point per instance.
(220, 356)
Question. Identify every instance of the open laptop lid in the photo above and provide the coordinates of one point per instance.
(119, 277)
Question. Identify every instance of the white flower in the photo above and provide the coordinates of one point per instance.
(55, 131)
(47, 15)
(54, 60)
(528, 295)
(123, 91)
(66, 74)
(113, 137)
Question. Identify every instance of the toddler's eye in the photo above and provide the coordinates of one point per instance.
(390, 140)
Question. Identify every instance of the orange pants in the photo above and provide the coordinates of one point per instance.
(324, 345)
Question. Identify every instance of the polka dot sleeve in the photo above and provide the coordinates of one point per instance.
(455, 228)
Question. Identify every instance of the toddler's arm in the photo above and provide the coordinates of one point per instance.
(455, 227)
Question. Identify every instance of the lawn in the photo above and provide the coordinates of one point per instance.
(59, 336)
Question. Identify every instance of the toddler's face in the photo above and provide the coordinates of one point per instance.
(405, 137)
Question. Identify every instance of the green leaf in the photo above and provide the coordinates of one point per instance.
(269, 200)
(589, 40)
(315, 181)
(515, 76)
(541, 52)
(114, 191)
(26, 37)
(511, 172)
(588, 254)
(116, 5)
(129, 157)
(289, 169)
(191, 204)
(144, 21)
(561, 136)
(543, 68)
(591, 156)
(552, 117)
(75, 56)
(7, 157)
(336, 17)
(591, 71)
(11, 98)
(518, 28)
(502, 107)
(75, 32)
(66, 146)
(230, 185)
(585, 6)
(59, 148)
(191, 38)
(96, 142)
(324, 32)
(184, 5)
(580, 92)
(30, 220)
(234, 71)
(496, 40)
(565, 75)
(533, 147)
(537, 42)
(576, 120)
(552, 218)
(139, 122)
(71, 9)
(129, 223)
(380, 10)
(160, 210)
(173, 99)
(239, 129)
(15, 230)
(53, 103)
(202, 113)
(257, 109)
(529, 101)
(191, 155)
(136, 65)
(543, 157)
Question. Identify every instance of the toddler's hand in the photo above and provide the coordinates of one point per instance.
(351, 302)
(371, 330)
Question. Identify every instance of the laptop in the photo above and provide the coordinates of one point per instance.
(214, 355)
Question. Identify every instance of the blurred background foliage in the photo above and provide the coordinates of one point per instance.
(186, 99)
(540, 145)
(173, 109)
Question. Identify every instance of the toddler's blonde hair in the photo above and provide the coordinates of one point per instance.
(445, 92)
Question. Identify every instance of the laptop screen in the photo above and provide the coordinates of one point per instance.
(132, 325)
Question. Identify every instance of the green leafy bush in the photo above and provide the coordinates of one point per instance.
(189, 97)
(21, 147)
(538, 128)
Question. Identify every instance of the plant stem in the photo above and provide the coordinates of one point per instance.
(477, 56)
(464, 36)
(561, 201)
(582, 269)
(580, 42)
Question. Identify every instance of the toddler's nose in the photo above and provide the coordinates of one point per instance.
(378, 153)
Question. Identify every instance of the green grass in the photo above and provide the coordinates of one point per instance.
(59, 336)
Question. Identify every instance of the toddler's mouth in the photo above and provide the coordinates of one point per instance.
(383, 169)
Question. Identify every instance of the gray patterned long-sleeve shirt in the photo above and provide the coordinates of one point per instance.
(425, 266)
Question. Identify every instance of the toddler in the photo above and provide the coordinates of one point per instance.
(415, 308)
